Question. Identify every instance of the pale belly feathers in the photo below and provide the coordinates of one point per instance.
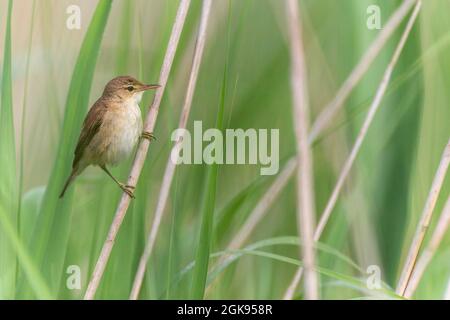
(118, 135)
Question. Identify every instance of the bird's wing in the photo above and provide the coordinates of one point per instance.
(91, 126)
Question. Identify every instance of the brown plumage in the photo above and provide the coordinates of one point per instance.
(111, 129)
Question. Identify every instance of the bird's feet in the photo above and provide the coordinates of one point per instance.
(148, 135)
(129, 190)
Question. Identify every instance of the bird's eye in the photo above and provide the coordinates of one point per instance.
(130, 88)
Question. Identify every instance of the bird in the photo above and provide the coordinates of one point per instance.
(111, 129)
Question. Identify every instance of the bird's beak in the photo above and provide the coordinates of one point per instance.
(148, 87)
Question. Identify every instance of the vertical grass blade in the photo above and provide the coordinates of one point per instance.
(52, 229)
(24, 119)
(207, 222)
(8, 187)
(208, 205)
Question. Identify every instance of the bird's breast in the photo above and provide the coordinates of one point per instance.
(121, 128)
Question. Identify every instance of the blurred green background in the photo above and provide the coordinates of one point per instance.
(376, 215)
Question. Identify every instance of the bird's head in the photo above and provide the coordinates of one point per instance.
(126, 87)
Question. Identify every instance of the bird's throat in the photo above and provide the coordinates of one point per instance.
(138, 97)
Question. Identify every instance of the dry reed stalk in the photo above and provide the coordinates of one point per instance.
(428, 253)
(141, 151)
(170, 167)
(424, 221)
(359, 140)
(305, 180)
(358, 72)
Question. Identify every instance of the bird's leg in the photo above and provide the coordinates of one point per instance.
(148, 135)
(126, 188)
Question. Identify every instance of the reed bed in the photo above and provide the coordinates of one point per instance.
(362, 115)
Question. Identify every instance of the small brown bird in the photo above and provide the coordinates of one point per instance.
(111, 129)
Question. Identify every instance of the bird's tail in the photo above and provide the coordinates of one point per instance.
(72, 176)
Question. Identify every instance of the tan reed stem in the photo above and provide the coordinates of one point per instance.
(430, 250)
(170, 167)
(359, 140)
(305, 179)
(424, 222)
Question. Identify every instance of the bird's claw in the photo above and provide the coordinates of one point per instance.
(148, 135)
(128, 190)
